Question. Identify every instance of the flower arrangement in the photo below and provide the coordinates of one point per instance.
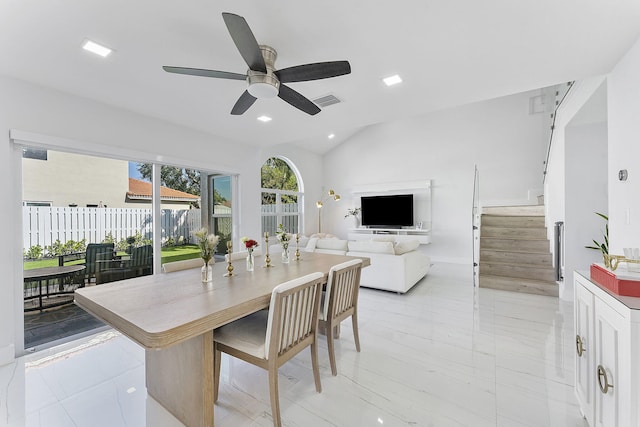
(250, 244)
(207, 243)
(353, 212)
(282, 236)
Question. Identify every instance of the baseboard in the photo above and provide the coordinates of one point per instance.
(7, 354)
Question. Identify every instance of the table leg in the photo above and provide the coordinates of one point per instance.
(180, 378)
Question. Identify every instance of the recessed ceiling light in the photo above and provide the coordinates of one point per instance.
(331, 136)
(96, 48)
(392, 80)
(264, 119)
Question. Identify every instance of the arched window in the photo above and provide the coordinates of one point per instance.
(282, 196)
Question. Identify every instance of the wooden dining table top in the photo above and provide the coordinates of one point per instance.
(161, 310)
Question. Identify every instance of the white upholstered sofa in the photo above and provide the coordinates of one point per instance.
(394, 266)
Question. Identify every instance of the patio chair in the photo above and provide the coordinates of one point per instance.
(96, 252)
(141, 262)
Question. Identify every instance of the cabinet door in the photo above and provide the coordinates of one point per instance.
(584, 351)
(611, 373)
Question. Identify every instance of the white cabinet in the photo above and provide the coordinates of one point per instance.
(607, 383)
(400, 234)
(583, 310)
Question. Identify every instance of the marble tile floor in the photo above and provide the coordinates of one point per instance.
(444, 354)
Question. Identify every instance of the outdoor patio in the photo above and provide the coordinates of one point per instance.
(57, 323)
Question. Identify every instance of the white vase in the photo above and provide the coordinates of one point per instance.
(285, 254)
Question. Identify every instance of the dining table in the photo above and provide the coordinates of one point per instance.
(173, 316)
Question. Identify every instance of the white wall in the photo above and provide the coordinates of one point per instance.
(70, 123)
(624, 151)
(498, 135)
(586, 193)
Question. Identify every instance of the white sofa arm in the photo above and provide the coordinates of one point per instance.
(397, 273)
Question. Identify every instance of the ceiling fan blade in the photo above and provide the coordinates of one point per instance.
(205, 73)
(245, 41)
(300, 102)
(317, 71)
(243, 103)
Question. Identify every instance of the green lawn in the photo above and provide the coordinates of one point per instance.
(176, 253)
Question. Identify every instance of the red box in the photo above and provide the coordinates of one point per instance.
(619, 285)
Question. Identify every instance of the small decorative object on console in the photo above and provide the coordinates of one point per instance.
(621, 284)
(267, 258)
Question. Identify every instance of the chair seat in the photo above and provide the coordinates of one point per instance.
(246, 334)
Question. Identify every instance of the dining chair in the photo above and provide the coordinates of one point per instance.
(241, 255)
(269, 338)
(340, 301)
(184, 264)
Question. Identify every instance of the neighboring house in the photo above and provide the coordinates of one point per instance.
(140, 192)
(54, 178)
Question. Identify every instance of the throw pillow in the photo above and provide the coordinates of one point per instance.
(406, 246)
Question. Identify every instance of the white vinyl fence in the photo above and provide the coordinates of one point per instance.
(44, 225)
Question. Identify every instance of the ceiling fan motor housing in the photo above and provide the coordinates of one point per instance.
(264, 85)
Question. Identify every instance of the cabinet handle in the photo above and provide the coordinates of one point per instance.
(579, 346)
(602, 373)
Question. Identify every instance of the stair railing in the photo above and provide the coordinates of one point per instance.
(475, 224)
(553, 126)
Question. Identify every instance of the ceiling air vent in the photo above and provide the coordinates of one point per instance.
(325, 101)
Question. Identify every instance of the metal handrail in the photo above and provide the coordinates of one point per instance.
(553, 126)
(475, 225)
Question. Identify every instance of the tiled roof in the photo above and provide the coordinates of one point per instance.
(142, 190)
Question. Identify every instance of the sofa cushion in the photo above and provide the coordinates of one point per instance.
(332, 244)
(311, 244)
(371, 247)
(406, 246)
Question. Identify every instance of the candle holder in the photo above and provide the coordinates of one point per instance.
(267, 258)
(297, 249)
(229, 272)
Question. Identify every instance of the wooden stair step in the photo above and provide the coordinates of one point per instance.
(524, 210)
(513, 221)
(522, 271)
(514, 284)
(514, 233)
(540, 259)
(515, 245)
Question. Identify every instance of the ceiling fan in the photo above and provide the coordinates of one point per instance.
(263, 80)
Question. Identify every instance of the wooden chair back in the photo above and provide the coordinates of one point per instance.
(293, 317)
(184, 264)
(341, 297)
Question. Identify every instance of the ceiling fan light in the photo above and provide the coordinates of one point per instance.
(262, 90)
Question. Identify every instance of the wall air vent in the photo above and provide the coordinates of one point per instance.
(325, 101)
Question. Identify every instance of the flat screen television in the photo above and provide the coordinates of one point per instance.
(392, 211)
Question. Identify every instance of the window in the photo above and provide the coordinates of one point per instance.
(281, 196)
(221, 207)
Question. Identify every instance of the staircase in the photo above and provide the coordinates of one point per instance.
(514, 251)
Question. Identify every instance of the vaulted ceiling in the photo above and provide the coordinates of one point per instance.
(448, 52)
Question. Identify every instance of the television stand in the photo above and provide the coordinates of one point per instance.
(401, 234)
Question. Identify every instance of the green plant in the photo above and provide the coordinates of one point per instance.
(34, 252)
(604, 246)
